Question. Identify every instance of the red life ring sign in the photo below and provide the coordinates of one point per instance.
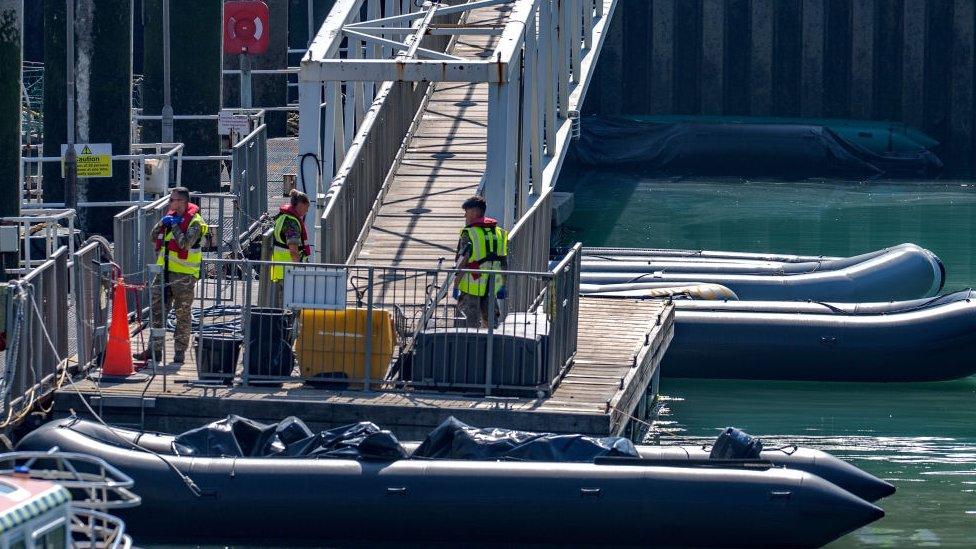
(246, 27)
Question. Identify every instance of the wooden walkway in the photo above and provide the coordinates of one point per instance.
(621, 345)
(420, 216)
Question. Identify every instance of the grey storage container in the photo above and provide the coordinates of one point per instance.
(456, 359)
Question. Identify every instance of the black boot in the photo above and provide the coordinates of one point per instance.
(146, 355)
(179, 357)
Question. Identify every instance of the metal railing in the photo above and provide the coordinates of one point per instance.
(229, 227)
(150, 172)
(90, 293)
(41, 233)
(562, 306)
(528, 246)
(391, 332)
(95, 486)
(249, 180)
(255, 117)
(133, 251)
(37, 335)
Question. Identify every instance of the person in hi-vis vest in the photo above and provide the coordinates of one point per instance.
(290, 239)
(177, 238)
(483, 246)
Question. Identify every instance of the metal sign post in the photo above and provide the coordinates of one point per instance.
(245, 80)
(246, 33)
(167, 112)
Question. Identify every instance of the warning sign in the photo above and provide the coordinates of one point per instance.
(94, 159)
(228, 121)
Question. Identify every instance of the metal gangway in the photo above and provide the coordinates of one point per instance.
(407, 109)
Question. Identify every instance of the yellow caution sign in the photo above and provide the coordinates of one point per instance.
(93, 159)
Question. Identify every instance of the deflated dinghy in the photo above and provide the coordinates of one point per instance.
(901, 272)
(235, 481)
(919, 340)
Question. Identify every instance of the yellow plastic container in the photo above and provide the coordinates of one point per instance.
(332, 343)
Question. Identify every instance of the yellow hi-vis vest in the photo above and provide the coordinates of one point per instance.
(488, 247)
(280, 253)
(194, 256)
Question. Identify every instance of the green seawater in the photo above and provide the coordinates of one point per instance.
(921, 437)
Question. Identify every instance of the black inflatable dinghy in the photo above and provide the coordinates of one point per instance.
(918, 340)
(434, 496)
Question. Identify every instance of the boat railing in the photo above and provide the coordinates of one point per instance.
(375, 328)
(96, 487)
(37, 336)
(93, 483)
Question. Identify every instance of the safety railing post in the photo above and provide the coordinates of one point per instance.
(198, 354)
(218, 297)
(368, 350)
(550, 87)
(588, 24)
(490, 351)
(576, 28)
(564, 61)
(81, 310)
(246, 325)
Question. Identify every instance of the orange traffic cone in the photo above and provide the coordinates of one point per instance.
(118, 354)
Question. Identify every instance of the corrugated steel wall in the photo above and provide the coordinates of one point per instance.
(902, 60)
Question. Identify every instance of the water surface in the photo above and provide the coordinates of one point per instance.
(921, 437)
(790, 217)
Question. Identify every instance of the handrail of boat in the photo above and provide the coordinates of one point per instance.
(104, 485)
(90, 523)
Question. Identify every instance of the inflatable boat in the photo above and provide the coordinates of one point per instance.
(901, 272)
(609, 500)
(877, 136)
(780, 148)
(919, 340)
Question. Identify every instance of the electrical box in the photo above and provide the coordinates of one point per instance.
(307, 288)
(9, 238)
(157, 176)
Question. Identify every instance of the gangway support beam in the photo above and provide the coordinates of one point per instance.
(311, 161)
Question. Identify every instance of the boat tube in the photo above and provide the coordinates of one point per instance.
(649, 254)
(918, 340)
(732, 503)
(822, 464)
(901, 272)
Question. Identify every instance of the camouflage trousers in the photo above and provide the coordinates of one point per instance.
(179, 298)
(474, 309)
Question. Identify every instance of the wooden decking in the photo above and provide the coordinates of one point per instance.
(420, 215)
(621, 345)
